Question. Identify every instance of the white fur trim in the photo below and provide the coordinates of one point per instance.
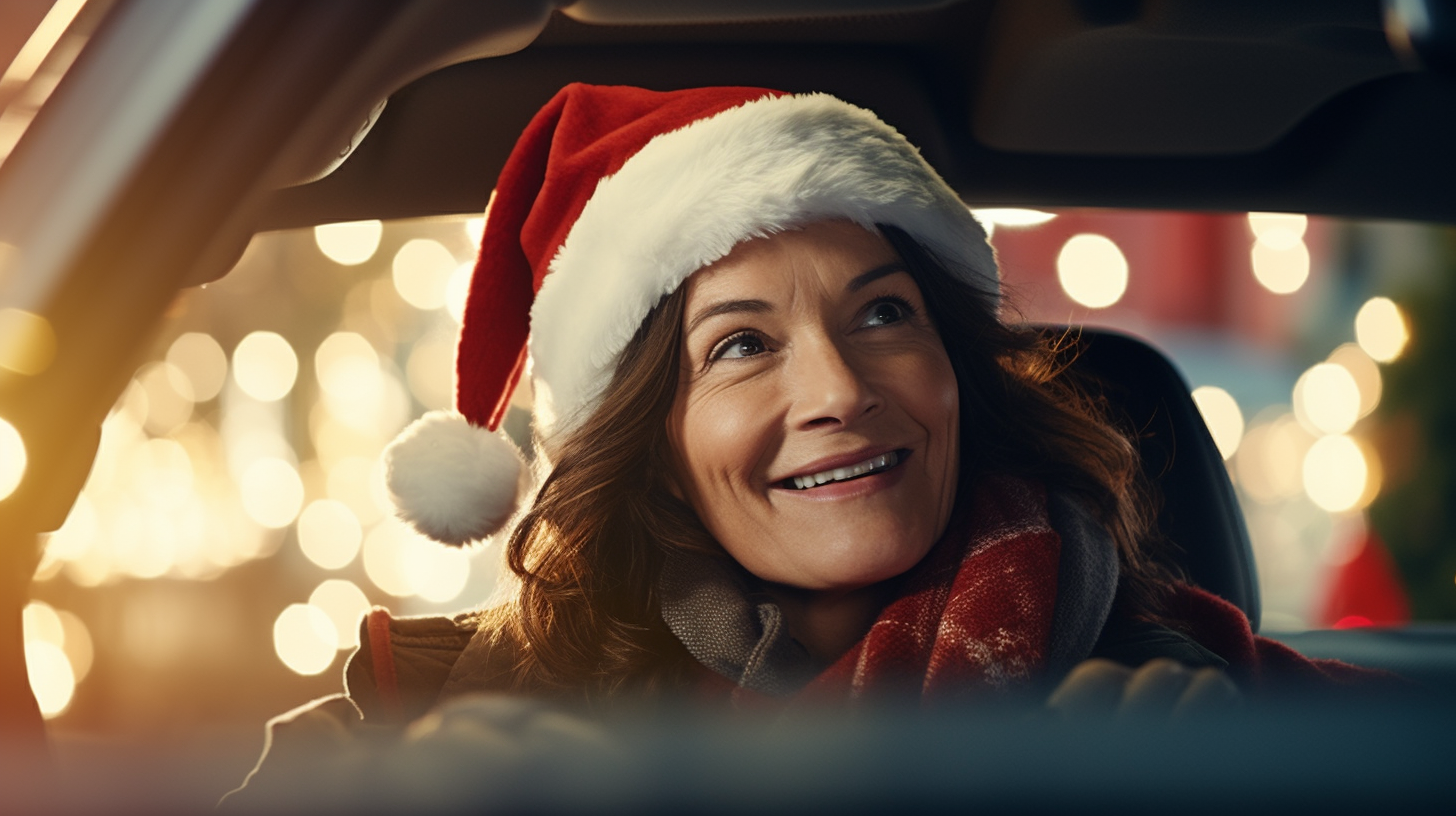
(451, 480)
(690, 196)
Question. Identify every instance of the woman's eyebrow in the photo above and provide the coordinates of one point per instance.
(861, 281)
(728, 307)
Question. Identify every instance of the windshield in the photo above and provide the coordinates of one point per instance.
(235, 524)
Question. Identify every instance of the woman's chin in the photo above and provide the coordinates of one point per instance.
(851, 566)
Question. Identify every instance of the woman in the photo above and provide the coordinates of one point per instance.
(788, 453)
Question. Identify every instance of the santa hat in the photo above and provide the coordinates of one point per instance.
(611, 198)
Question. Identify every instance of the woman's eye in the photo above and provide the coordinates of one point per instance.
(739, 345)
(886, 312)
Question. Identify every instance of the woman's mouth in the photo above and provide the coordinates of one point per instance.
(870, 466)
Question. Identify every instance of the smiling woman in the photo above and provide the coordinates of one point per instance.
(787, 449)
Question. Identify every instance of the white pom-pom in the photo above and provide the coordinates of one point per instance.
(451, 480)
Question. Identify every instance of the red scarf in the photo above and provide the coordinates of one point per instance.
(976, 618)
(976, 613)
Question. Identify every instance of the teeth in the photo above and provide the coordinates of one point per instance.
(842, 473)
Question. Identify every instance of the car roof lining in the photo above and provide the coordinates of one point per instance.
(1012, 109)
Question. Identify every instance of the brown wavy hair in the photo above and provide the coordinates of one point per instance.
(585, 622)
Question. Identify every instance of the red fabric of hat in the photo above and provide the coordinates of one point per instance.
(584, 134)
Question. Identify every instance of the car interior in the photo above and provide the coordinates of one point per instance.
(181, 130)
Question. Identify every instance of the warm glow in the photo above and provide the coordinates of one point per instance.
(12, 458)
(345, 604)
(305, 639)
(164, 473)
(40, 43)
(349, 243)
(435, 572)
(1281, 270)
(348, 372)
(1270, 460)
(993, 217)
(76, 535)
(329, 533)
(168, 406)
(1380, 328)
(51, 678)
(1278, 230)
(1335, 473)
(1327, 399)
(430, 372)
(457, 289)
(422, 270)
(1222, 416)
(41, 623)
(475, 229)
(402, 563)
(1092, 270)
(1365, 371)
(265, 366)
(385, 550)
(201, 362)
(27, 342)
(272, 492)
(348, 481)
(77, 644)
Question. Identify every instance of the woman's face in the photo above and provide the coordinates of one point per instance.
(815, 427)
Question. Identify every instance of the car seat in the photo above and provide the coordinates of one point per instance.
(1200, 513)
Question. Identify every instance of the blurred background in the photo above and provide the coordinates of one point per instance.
(235, 524)
(235, 527)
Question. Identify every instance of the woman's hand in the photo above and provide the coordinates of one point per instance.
(1160, 688)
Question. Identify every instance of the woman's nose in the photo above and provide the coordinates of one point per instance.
(828, 386)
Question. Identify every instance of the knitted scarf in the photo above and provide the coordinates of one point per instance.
(981, 613)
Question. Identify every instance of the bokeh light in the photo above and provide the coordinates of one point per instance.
(12, 458)
(430, 372)
(403, 563)
(1270, 460)
(41, 622)
(77, 644)
(385, 551)
(435, 572)
(992, 218)
(1278, 230)
(169, 397)
(345, 604)
(348, 481)
(349, 243)
(27, 342)
(51, 678)
(348, 371)
(1327, 399)
(1092, 270)
(475, 227)
(457, 291)
(1365, 371)
(422, 270)
(272, 492)
(1335, 473)
(1381, 330)
(1281, 270)
(329, 533)
(202, 363)
(305, 639)
(265, 366)
(1222, 416)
